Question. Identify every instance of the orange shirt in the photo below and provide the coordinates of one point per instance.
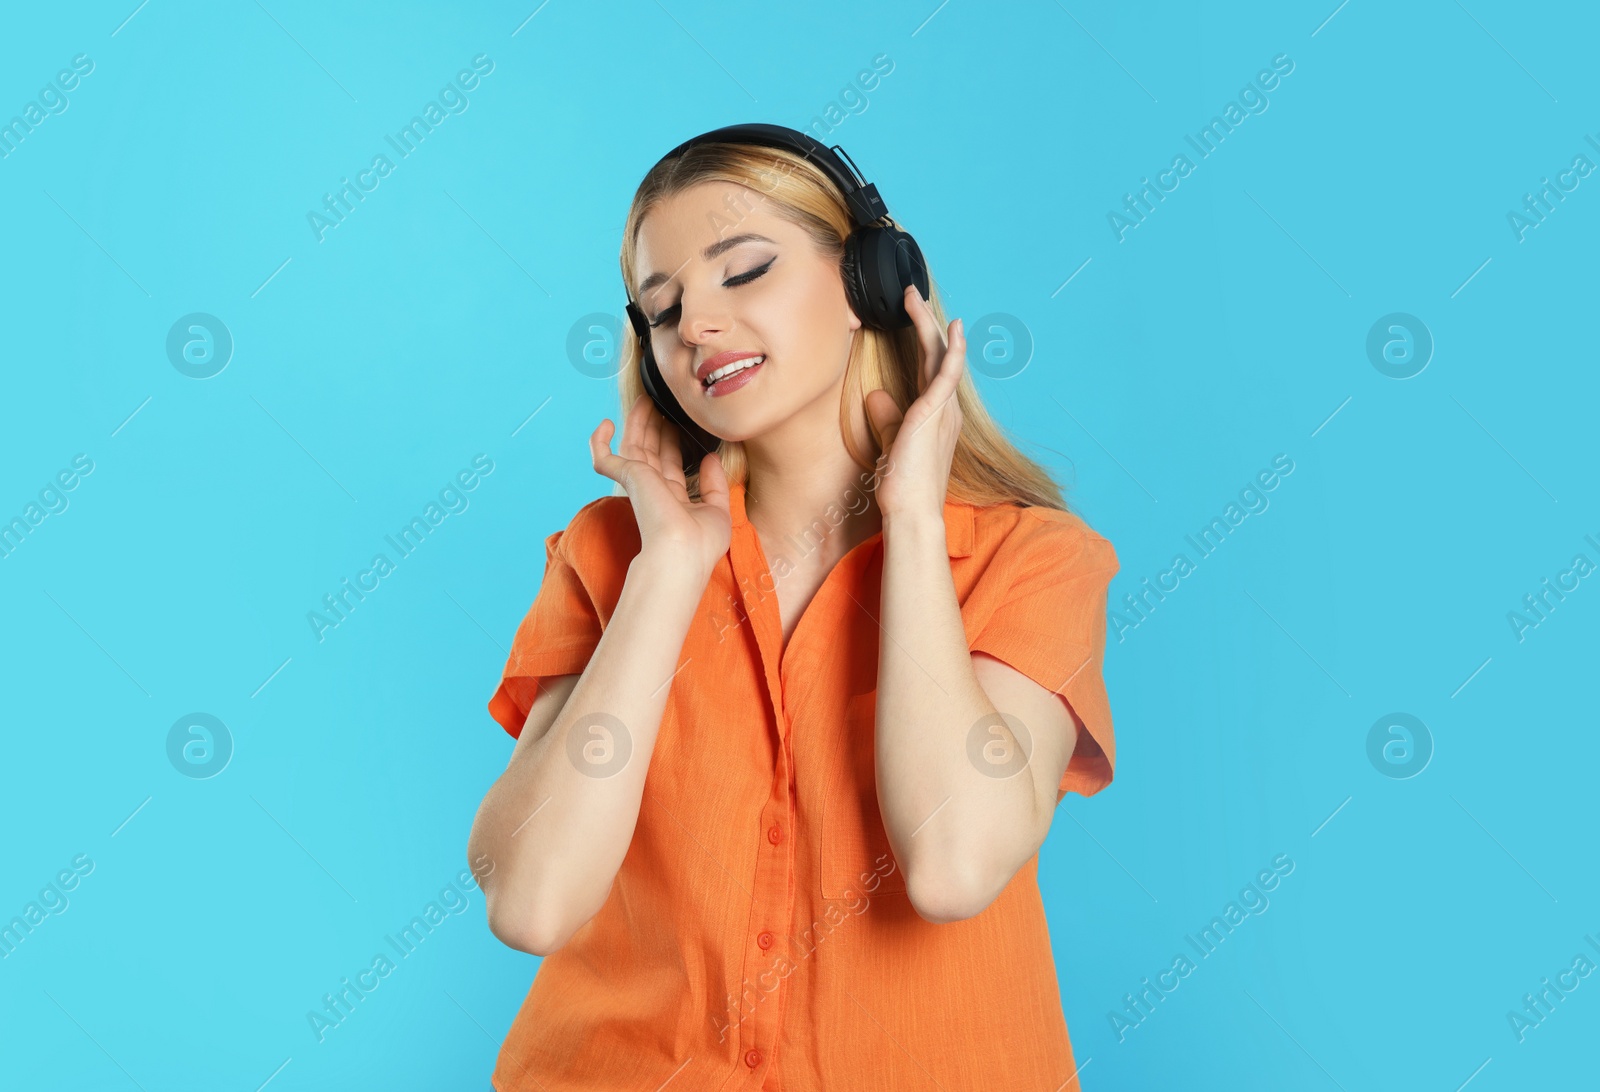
(758, 934)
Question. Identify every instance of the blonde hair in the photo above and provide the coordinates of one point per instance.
(986, 468)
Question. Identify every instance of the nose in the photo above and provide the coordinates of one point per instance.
(700, 322)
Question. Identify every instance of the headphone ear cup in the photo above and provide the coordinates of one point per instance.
(879, 262)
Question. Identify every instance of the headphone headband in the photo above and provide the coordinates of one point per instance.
(866, 207)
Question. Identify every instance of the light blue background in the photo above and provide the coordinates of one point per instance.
(433, 322)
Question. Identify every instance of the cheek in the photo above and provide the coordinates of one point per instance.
(810, 321)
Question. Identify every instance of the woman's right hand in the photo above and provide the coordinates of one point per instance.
(650, 470)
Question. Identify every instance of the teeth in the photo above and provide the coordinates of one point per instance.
(736, 366)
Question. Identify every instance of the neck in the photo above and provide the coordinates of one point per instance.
(811, 512)
(804, 494)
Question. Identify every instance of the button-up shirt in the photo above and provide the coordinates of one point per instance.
(758, 935)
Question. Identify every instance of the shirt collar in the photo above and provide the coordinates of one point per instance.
(959, 520)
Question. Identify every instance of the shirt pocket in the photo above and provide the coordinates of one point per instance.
(855, 858)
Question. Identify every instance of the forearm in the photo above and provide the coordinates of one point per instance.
(959, 834)
(558, 822)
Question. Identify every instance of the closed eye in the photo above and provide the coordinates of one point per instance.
(731, 282)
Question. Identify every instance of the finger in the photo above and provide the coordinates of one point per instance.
(672, 457)
(953, 365)
(886, 436)
(626, 439)
(881, 409)
(927, 324)
(941, 387)
(884, 417)
(605, 462)
(922, 317)
(939, 400)
(948, 342)
(650, 435)
(628, 447)
(949, 366)
(714, 482)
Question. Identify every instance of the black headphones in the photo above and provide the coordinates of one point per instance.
(879, 262)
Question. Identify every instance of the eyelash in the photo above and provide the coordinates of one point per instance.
(731, 282)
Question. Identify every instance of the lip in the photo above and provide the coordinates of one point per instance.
(736, 381)
(721, 360)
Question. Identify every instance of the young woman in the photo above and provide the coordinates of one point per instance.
(793, 716)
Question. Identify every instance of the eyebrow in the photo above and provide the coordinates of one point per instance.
(721, 246)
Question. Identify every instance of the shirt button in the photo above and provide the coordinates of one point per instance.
(765, 941)
(775, 834)
(752, 1058)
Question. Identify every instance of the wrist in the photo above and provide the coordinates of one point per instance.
(669, 568)
(915, 524)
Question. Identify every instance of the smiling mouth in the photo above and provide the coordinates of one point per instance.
(732, 369)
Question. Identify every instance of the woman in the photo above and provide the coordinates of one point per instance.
(793, 714)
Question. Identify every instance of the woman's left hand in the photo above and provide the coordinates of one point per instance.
(919, 446)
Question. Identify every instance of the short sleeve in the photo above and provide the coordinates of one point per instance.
(1051, 626)
(556, 637)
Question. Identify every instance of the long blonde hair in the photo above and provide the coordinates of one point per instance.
(986, 468)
